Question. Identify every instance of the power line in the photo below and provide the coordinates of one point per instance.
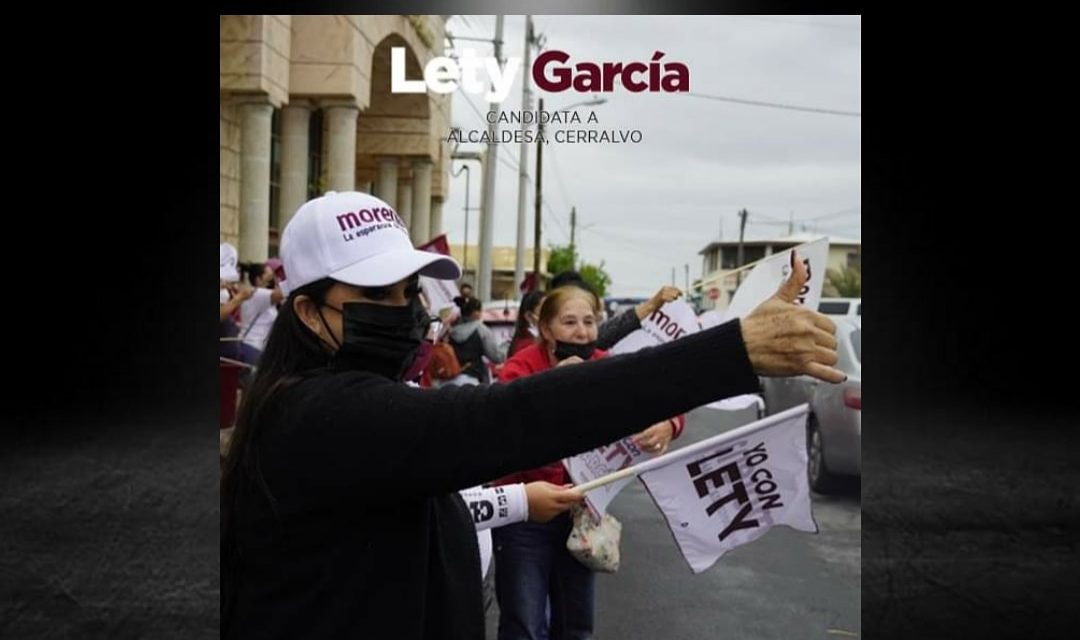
(556, 219)
(510, 162)
(773, 105)
(626, 243)
(559, 179)
(836, 215)
(842, 228)
(514, 167)
(474, 108)
(762, 215)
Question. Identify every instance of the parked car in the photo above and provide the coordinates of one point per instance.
(849, 307)
(834, 427)
(500, 316)
(615, 306)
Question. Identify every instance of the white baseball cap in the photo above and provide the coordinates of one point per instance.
(227, 258)
(357, 239)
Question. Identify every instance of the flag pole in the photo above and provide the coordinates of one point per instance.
(667, 458)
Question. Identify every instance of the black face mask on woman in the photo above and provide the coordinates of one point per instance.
(380, 338)
(564, 350)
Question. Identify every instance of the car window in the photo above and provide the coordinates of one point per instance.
(856, 342)
(834, 308)
(858, 310)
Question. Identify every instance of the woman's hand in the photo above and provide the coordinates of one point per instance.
(786, 339)
(548, 500)
(656, 438)
(665, 295)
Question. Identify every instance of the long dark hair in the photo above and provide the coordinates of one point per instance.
(292, 350)
(530, 302)
(252, 270)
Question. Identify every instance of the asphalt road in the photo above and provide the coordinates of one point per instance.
(787, 585)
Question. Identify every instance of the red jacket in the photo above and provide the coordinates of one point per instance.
(520, 343)
(534, 359)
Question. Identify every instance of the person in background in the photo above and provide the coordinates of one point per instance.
(622, 325)
(472, 340)
(232, 294)
(259, 310)
(525, 331)
(532, 565)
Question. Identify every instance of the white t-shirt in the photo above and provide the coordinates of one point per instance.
(258, 310)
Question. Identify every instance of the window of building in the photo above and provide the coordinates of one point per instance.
(854, 259)
(315, 158)
(710, 264)
(729, 259)
(752, 254)
(834, 308)
(275, 182)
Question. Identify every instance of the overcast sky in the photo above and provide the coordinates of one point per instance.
(645, 208)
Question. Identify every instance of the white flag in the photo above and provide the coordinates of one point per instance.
(738, 403)
(600, 462)
(728, 490)
(765, 278)
(440, 293)
(672, 321)
(711, 318)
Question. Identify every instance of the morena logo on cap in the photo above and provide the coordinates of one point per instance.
(357, 224)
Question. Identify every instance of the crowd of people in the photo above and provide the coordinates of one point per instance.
(351, 486)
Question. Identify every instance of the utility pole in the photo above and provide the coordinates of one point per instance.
(538, 197)
(573, 224)
(686, 291)
(465, 245)
(465, 156)
(487, 212)
(742, 231)
(673, 276)
(791, 224)
(523, 161)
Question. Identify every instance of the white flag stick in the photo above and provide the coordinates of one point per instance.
(686, 452)
(223, 359)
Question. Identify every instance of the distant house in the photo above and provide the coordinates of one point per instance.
(721, 257)
(502, 267)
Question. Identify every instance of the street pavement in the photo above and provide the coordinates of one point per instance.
(787, 585)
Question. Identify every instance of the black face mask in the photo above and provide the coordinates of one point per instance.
(564, 350)
(380, 338)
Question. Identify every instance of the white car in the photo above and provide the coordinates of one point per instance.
(834, 427)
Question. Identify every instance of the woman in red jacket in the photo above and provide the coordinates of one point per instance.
(532, 566)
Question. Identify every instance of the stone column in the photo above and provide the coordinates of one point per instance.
(436, 217)
(295, 121)
(420, 229)
(388, 180)
(341, 146)
(255, 122)
(404, 201)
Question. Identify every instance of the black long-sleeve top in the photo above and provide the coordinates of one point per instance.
(366, 536)
(617, 328)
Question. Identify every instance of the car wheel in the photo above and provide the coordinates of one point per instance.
(821, 480)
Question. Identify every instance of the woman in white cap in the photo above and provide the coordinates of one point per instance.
(341, 516)
(233, 294)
